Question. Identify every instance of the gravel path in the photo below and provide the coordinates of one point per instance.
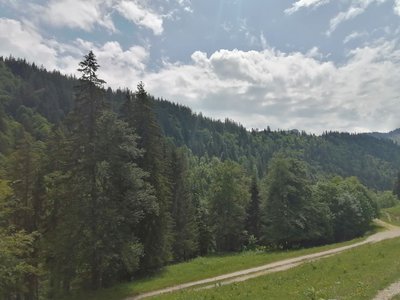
(388, 293)
(392, 232)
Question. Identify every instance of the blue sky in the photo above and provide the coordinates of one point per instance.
(313, 65)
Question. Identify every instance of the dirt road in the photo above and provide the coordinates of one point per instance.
(391, 232)
(389, 292)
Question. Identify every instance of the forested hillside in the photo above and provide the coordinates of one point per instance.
(393, 135)
(36, 97)
(100, 186)
(373, 161)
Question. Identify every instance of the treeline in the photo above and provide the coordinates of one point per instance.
(100, 195)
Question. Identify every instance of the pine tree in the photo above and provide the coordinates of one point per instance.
(63, 214)
(26, 204)
(87, 98)
(183, 213)
(84, 132)
(253, 221)
(104, 195)
(155, 230)
(200, 179)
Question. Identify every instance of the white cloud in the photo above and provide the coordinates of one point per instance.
(89, 14)
(186, 5)
(23, 41)
(119, 67)
(141, 15)
(354, 35)
(75, 13)
(289, 90)
(304, 4)
(396, 7)
(257, 88)
(356, 8)
(351, 13)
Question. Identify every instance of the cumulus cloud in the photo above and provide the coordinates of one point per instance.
(89, 14)
(289, 90)
(22, 40)
(140, 15)
(75, 13)
(304, 4)
(120, 67)
(258, 88)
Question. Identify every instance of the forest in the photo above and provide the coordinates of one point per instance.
(99, 186)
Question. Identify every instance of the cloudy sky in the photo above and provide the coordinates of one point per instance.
(313, 65)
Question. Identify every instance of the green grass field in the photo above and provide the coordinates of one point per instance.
(196, 269)
(200, 268)
(354, 274)
(391, 215)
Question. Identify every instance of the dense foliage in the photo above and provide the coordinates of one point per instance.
(99, 186)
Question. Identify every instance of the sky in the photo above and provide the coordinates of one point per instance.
(311, 65)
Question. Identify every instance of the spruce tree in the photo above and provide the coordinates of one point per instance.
(103, 191)
(155, 230)
(26, 204)
(253, 221)
(84, 132)
(183, 212)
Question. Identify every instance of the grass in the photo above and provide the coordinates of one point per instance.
(356, 274)
(199, 268)
(391, 215)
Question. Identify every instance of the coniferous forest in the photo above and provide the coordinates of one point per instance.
(99, 186)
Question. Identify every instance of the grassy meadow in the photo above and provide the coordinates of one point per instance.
(200, 268)
(356, 274)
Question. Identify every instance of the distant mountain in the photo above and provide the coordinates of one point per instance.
(392, 135)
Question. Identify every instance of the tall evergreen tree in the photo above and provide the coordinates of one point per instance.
(84, 132)
(253, 221)
(103, 190)
(63, 218)
(155, 230)
(200, 179)
(26, 203)
(183, 212)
